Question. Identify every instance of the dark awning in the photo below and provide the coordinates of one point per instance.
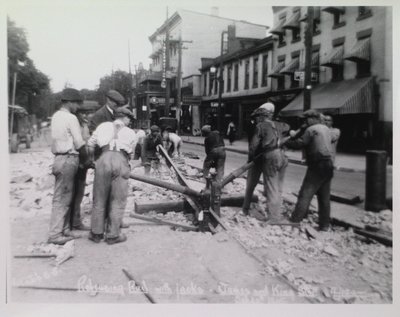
(278, 30)
(314, 61)
(290, 68)
(335, 58)
(293, 22)
(344, 97)
(360, 51)
(275, 71)
(333, 10)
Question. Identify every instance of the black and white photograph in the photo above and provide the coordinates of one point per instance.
(188, 152)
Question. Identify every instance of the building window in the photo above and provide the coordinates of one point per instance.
(215, 83)
(229, 79)
(281, 40)
(205, 85)
(338, 20)
(211, 83)
(363, 69)
(295, 35)
(363, 13)
(236, 77)
(246, 74)
(264, 80)
(255, 72)
(222, 81)
(294, 83)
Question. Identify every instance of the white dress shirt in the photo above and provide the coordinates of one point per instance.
(114, 134)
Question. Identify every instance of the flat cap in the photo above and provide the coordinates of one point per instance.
(154, 128)
(116, 97)
(71, 94)
(311, 114)
(268, 106)
(124, 112)
(206, 128)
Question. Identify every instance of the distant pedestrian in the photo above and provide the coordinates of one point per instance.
(317, 141)
(272, 163)
(335, 134)
(68, 147)
(110, 188)
(231, 132)
(150, 158)
(215, 150)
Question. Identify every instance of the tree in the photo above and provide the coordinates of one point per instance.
(32, 84)
(119, 80)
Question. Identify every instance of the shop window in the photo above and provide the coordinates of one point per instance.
(236, 77)
(255, 72)
(363, 69)
(211, 83)
(222, 81)
(246, 74)
(337, 73)
(264, 80)
(294, 83)
(205, 85)
(281, 82)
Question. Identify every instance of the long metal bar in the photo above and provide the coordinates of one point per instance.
(156, 182)
(164, 222)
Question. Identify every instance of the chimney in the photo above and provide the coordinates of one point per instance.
(215, 11)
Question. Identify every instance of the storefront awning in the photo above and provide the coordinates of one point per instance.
(344, 97)
(278, 30)
(360, 51)
(276, 70)
(314, 61)
(293, 22)
(290, 68)
(335, 58)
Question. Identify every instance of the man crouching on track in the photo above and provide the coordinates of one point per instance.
(110, 189)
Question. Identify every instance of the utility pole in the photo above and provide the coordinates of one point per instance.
(220, 82)
(130, 74)
(13, 104)
(167, 66)
(307, 67)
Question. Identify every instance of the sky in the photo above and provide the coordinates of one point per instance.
(78, 42)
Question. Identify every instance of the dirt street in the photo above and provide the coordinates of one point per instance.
(251, 263)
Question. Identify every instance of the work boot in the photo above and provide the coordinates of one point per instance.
(95, 237)
(123, 225)
(61, 240)
(245, 212)
(120, 238)
(258, 215)
(81, 227)
(324, 228)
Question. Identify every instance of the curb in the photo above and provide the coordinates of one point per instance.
(291, 160)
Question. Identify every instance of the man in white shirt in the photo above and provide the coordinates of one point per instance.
(67, 144)
(172, 143)
(110, 188)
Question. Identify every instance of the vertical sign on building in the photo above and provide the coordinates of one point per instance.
(164, 63)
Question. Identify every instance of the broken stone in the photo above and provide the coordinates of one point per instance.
(24, 178)
(331, 250)
(386, 215)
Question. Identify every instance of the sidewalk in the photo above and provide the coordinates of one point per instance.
(344, 162)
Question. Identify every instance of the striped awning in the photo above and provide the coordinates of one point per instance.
(360, 51)
(279, 30)
(314, 61)
(333, 10)
(293, 22)
(335, 58)
(343, 97)
(290, 68)
(276, 70)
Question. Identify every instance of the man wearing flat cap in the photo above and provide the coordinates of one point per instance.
(106, 113)
(149, 150)
(68, 147)
(271, 162)
(317, 142)
(110, 188)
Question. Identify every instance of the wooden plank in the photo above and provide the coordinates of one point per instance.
(25, 256)
(345, 198)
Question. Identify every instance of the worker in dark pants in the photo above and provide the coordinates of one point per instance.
(68, 148)
(272, 163)
(110, 188)
(317, 141)
(215, 150)
(149, 150)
